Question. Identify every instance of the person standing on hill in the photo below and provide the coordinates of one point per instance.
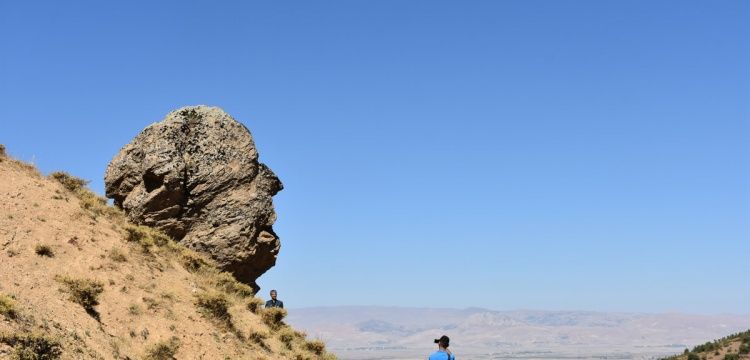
(443, 353)
(273, 302)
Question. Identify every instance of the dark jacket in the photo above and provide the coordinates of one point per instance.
(272, 303)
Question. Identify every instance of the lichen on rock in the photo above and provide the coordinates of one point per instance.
(196, 176)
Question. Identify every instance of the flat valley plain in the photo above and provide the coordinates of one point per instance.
(369, 332)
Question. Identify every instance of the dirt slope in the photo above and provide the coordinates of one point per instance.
(77, 281)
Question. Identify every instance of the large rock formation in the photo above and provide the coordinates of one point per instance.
(196, 176)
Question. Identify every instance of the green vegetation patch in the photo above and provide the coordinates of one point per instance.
(32, 346)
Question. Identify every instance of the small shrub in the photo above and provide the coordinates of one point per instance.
(273, 317)
(7, 307)
(316, 346)
(85, 292)
(731, 357)
(164, 350)
(44, 250)
(254, 305)
(70, 182)
(214, 304)
(117, 255)
(31, 346)
(2, 151)
(744, 348)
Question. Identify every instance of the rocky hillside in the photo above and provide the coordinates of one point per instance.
(79, 281)
(733, 347)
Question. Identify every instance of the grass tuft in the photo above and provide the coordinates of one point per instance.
(192, 261)
(226, 282)
(287, 336)
(164, 350)
(147, 237)
(8, 307)
(214, 304)
(44, 250)
(254, 305)
(70, 182)
(84, 292)
(117, 255)
(273, 317)
(315, 346)
(32, 346)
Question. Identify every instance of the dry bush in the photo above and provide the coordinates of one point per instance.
(273, 317)
(44, 250)
(85, 292)
(315, 346)
(214, 304)
(2, 151)
(254, 305)
(164, 350)
(8, 307)
(32, 346)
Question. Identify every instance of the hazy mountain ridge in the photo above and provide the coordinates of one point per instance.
(399, 332)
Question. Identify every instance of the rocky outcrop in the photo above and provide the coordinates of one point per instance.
(196, 176)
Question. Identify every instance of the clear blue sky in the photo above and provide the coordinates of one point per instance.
(505, 154)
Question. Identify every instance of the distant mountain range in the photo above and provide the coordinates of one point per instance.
(365, 332)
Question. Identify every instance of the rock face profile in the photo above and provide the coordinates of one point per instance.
(196, 176)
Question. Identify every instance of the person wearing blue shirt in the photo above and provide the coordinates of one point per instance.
(443, 353)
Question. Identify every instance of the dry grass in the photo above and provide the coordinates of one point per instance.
(287, 337)
(164, 350)
(44, 250)
(90, 201)
(254, 305)
(273, 317)
(315, 346)
(84, 292)
(7, 307)
(117, 255)
(214, 305)
(226, 282)
(32, 346)
(146, 237)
